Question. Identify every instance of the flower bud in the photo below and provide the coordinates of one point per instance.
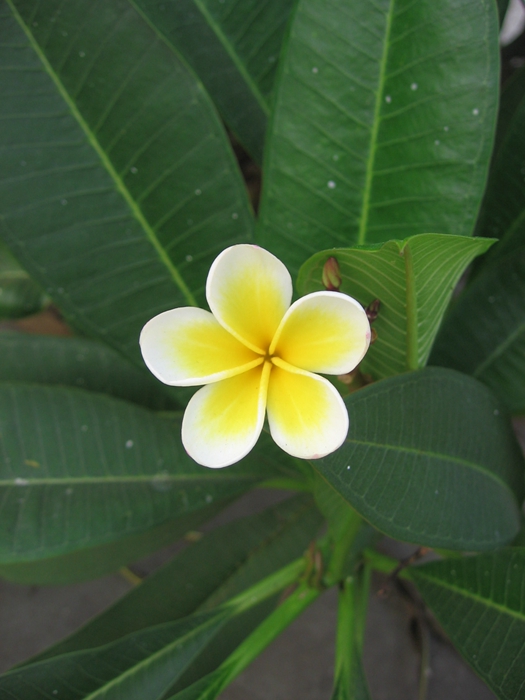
(331, 275)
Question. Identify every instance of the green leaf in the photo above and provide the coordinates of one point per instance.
(19, 295)
(118, 186)
(90, 563)
(233, 47)
(504, 201)
(79, 469)
(140, 666)
(484, 335)
(378, 130)
(480, 603)
(225, 562)
(413, 279)
(44, 359)
(430, 458)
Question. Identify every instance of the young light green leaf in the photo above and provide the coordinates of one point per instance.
(118, 184)
(413, 279)
(225, 562)
(79, 469)
(19, 294)
(234, 48)
(430, 458)
(484, 334)
(378, 130)
(480, 603)
(85, 364)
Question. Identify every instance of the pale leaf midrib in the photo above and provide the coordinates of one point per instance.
(361, 237)
(217, 30)
(122, 189)
(487, 473)
(472, 596)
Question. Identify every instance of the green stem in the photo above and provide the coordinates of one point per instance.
(342, 546)
(346, 632)
(362, 604)
(349, 678)
(267, 587)
(380, 562)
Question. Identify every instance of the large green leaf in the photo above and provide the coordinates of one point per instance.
(430, 458)
(79, 469)
(379, 130)
(413, 279)
(226, 561)
(233, 46)
(19, 294)
(117, 183)
(484, 335)
(480, 602)
(76, 362)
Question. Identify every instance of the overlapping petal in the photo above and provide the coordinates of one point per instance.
(323, 332)
(188, 347)
(249, 290)
(307, 416)
(223, 421)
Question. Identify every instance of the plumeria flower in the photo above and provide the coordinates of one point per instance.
(256, 354)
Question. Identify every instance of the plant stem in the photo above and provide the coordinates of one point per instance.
(342, 546)
(269, 586)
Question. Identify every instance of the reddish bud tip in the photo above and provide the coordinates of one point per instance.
(372, 310)
(331, 275)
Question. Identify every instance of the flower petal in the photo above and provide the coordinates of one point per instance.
(188, 347)
(323, 332)
(307, 416)
(223, 421)
(249, 290)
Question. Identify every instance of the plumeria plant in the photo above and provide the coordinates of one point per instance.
(354, 318)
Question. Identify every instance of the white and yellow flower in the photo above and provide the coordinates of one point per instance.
(255, 354)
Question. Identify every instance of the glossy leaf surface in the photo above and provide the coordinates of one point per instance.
(413, 279)
(379, 131)
(484, 334)
(480, 602)
(80, 469)
(118, 187)
(19, 294)
(233, 46)
(430, 458)
(79, 363)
